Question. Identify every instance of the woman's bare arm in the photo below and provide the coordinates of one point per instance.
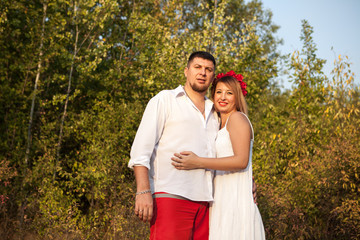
(240, 136)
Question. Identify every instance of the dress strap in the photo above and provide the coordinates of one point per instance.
(227, 121)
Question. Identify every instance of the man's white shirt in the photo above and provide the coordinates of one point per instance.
(171, 123)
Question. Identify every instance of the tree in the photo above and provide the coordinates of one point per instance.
(312, 181)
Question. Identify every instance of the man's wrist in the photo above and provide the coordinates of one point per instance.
(143, 192)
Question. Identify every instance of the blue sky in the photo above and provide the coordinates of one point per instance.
(336, 24)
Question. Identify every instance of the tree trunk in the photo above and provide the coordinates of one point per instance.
(67, 94)
(29, 137)
(35, 86)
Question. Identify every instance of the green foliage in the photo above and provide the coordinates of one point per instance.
(308, 153)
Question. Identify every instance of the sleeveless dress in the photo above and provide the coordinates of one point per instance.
(233, 213)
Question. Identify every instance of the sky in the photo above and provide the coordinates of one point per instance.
(336, 25)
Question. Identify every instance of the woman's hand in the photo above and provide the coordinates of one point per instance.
(185, 161)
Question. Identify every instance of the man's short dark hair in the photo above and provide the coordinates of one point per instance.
(203, 55)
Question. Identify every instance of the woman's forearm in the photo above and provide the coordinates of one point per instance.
(232, 163)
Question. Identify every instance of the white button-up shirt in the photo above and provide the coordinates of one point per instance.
(171, 123)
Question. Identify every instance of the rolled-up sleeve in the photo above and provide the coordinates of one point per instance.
(148, 133)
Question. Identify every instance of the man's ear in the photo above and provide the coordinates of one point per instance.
(186, 71)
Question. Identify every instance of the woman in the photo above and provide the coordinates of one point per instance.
(233, 214)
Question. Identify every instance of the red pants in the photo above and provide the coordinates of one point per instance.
(177, 219)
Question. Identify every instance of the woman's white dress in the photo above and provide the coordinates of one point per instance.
(233, 214)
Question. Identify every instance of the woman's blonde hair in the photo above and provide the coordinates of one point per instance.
(235, 86)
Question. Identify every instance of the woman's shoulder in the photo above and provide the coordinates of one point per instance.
(238, 120)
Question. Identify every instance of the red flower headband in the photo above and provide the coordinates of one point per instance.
(238, 77)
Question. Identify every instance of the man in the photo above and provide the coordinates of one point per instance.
(176, 201)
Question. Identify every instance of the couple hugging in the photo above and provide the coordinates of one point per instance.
(192, 159)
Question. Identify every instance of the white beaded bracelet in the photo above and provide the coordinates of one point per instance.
(143, 192)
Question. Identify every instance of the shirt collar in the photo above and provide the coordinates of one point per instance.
(180, 91)
(209, 105)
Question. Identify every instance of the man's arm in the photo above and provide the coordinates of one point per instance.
(143, 198)
(147, 136)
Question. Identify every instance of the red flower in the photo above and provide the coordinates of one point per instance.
(238, 77)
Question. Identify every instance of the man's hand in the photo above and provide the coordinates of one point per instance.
(144, 206)
(254, 190)
(143, 199)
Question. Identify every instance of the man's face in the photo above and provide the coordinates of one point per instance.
(200, 74)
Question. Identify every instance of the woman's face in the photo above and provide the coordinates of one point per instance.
(224, 98)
